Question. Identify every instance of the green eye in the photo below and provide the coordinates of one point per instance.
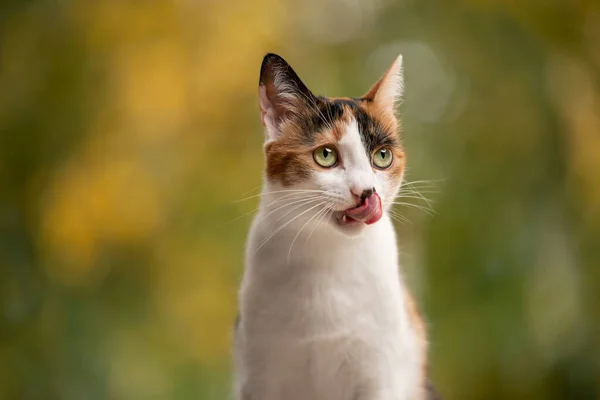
(325, 156)
(382, 158)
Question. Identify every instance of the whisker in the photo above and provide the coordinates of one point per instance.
(326, 210)
(251, 190)
(294, 196)
(415, 190)
(418, 184)
(328, 109)
(413, 196)
(418, 189)
(239, 217)
(399, 217)
(281, 191)
(418, 192)
(424, 181)
(420, 206)
(315, 107)
(291, 196)
(417, 206)
(417, 197)
(301, 201)
(283, 226)
(299, 231)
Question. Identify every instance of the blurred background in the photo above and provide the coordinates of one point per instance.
(129, 130)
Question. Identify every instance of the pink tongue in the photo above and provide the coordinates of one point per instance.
(369, 212)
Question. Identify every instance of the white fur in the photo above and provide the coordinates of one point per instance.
(323, 313)
(357, 173)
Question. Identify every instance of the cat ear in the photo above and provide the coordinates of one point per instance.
(388, 90)
(281, 94)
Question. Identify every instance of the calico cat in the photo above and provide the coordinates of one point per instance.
(324, 314)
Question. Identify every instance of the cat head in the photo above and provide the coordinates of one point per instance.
(344, 154)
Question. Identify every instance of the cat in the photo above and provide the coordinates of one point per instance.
(324, 314)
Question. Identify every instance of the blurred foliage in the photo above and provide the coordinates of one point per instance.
(129, 129)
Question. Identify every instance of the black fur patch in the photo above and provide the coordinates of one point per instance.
(273, 65)
(322, 114)
(372, 133)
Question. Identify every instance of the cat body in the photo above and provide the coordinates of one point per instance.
(324, 313)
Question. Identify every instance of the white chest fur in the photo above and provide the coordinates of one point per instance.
(326, 320)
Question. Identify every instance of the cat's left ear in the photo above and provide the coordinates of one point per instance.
(387, 92)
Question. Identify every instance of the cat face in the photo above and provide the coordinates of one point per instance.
(344, 153)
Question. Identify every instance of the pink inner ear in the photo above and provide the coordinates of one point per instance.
(272, 103)
(386, 92)
(265, 104)
(269, 113)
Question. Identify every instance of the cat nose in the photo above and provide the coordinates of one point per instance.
(362, 194)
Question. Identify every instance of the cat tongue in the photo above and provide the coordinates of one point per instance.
(369, 212)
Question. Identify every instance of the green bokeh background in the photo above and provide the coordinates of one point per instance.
(129, 130)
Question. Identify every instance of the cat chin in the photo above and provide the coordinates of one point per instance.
(348, 229)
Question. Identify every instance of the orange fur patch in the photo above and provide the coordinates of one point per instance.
(289, 158)
(419, 325)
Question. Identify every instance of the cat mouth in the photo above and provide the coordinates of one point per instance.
(369, 212)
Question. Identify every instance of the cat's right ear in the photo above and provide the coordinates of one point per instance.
(281, 94)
